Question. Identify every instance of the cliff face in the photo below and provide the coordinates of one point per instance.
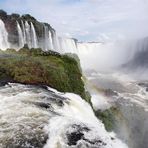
(10, 22)
(26, 29)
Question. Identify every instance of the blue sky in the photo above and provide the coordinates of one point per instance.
(90, 20)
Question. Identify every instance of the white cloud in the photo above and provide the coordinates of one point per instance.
(87, 19)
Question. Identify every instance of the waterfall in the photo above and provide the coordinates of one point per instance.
(28, 34)
(63, 120)
(55, 42)
(3, 36)
(50, 40)
(20, 35)
(24, 33)
(46, 38)
(34, 36)
(68, 45)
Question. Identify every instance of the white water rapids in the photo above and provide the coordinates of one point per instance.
(130, 97)
(32, 115)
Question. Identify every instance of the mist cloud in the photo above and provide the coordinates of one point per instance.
(87, 19)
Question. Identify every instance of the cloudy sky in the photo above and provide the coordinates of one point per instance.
(88, 20)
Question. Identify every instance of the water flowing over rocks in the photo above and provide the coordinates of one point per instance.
(35, 117)
(125, 113)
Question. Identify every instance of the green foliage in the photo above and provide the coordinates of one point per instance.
(107, 117)
(34, 66)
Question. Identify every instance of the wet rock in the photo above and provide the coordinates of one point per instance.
(74, 137)
(110, 92)
(143, 84)
(43, 105)
(77, 133)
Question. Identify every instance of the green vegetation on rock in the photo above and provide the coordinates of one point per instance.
(108, 117)
(34, 66)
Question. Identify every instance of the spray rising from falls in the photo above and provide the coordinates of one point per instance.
(111, 55)
(3, 36)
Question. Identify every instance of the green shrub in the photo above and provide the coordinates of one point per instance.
(107, 117)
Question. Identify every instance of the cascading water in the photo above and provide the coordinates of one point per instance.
(126, 92)
(20, 36)
(24, 33)
(68, 45)
(103, 57)
(129, 98)
(34, 36)
(28, 34)
(47, 42)
(55, 42)
(50, 119)
(50, 40)
(4, 44)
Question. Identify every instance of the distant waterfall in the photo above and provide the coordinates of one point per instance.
(68, 45)
(55, 42)
(50, 40)
(24, 33)
(3, 36)
(20, 35)
(28, 34)
(47, 45)
(34, 36)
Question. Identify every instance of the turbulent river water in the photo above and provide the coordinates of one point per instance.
(35, 117)
(130, 97)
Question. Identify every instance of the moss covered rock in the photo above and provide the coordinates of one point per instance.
(108, 117)
(34, 66)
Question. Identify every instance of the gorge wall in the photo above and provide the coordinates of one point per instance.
(16, 31)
